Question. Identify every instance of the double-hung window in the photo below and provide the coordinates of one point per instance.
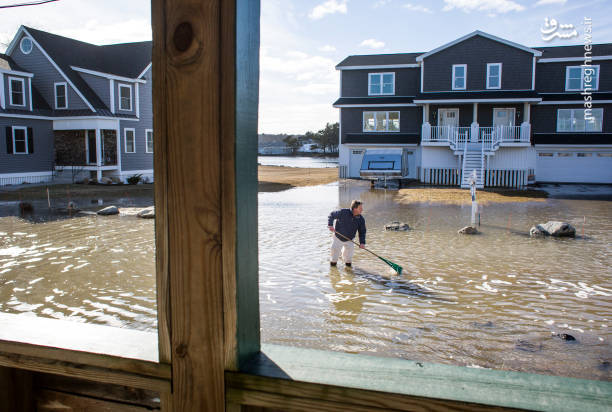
(149, 140)
(17, 91)
(578, 78)
(381, 121)
(494, 71)
(130, 140)
(381, 84)
(575, 120)
(20, 140)
(125, 97)
(61, 96)
(459, 76)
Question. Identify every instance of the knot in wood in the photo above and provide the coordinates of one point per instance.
(181, 350)
(183, 37)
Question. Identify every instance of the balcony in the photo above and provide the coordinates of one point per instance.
(490, 137)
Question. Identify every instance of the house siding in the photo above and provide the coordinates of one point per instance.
(544, 122)
(99, 85)
(465, 113)
(550, 77)
(39, 161)
(476, 52)
(410, 119)
(140, 160)
(45, 75)
(355, 82)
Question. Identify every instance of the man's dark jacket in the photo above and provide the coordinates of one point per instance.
(347, 224)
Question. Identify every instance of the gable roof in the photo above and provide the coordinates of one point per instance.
(125, 59)
(482, 34)
(398, 59)
(604, 49)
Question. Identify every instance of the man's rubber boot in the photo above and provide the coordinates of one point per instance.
(332, 263)
(349, 264)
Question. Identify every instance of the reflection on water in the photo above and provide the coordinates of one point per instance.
(89, 269)
(496, 300)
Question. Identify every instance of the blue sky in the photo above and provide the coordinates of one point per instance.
(302, 40)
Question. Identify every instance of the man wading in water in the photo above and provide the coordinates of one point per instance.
(348, 222)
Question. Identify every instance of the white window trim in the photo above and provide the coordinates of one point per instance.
(464, 77)
(147, 140)
(447, 109)
(21, 44)
(125, 86)
(25, 133)
(513, 118)
(363, 123)
(489, 65)
(381, 84)
(65, 91)
(125, 132)
(595, 83)
(10, 82)
(572, 111)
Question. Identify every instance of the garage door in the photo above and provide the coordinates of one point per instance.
(574, 167)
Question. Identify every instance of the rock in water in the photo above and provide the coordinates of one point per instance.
(553, 228)
(566, 337)
(468, 230)
(397, 226)
(110, 210)
(148, 213)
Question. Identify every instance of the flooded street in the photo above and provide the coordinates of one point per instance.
(496, 300)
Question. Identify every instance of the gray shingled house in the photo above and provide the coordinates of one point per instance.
(512, 113)
(71, 108)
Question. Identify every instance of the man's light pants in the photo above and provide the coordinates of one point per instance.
(347, 249)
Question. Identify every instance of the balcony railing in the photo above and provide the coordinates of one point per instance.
(490, 137)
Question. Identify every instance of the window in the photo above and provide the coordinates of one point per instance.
(17, 91)
(149, 139)
(579, 78)
(545, 154)
(494, 75)
(459, 76)
(584, 154)
(381, 121)
(125, 97)
(573, 120)
(381, 83)
(604, 154)
(130, 140)
(563, 154)
(20, 140)
(61, 96)
(26, 45)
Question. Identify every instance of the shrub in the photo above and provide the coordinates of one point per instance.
(134, 179)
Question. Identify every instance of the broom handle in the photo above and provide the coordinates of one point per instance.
(351, 240)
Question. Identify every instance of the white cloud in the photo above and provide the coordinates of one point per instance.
(417, 7)
(329, 7)
(327, 48)
(372, 43)
(318, 89)
(381, 3)
(491, 6)
(548, 2)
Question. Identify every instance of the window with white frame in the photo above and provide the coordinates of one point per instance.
(381, 83)
(459, 76)
(26, 45)
(17, 91)
(61, 96)
(578, 78)
(494, 75)
(573, 120)
(130, 140)
(125, 97)
(381, 121)
(149, 139)
(20, 140)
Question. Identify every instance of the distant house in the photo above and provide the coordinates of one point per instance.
(512, 113)
(69, 107)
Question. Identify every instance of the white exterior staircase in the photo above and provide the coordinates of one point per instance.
(473, 159)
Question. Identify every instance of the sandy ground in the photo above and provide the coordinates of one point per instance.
(462, 196)
(276, 178)
(271, 179)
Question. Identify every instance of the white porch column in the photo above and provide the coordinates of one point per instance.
(98, 154)
(426, 113)
(526, 125)
(426, 127)
(474, 126)
(526, 112)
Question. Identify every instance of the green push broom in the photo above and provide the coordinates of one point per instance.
(394, 266)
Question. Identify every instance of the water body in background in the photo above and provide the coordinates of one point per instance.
(496, 300)
(298, 161)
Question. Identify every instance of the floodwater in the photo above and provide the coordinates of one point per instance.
(298, 161)
(495, 300)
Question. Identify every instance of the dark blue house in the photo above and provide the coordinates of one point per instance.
(514, 114)
(73, 109)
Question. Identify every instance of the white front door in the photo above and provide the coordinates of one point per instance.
(503, 117)
(448, 117)
(355, 162)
